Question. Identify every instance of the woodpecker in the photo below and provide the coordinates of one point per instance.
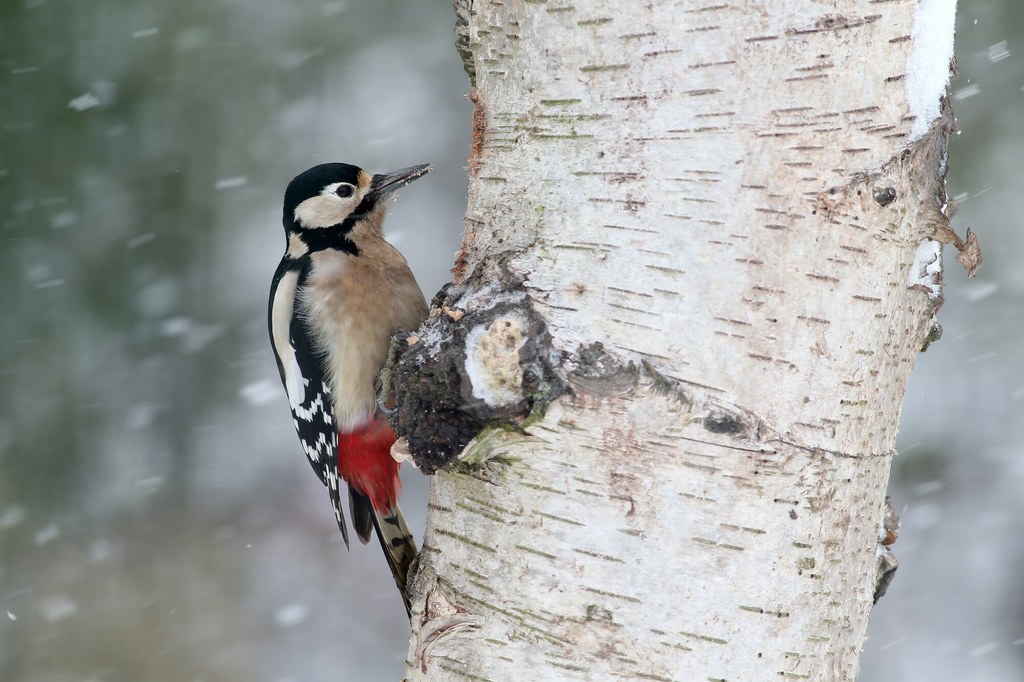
(339, 294)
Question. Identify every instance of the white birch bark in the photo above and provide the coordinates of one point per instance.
(730, 198)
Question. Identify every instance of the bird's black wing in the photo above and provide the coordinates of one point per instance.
(302, 366)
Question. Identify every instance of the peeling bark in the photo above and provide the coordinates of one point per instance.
(662, 395)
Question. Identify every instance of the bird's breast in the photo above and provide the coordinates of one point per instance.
(354, 304)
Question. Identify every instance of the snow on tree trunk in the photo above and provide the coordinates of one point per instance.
(699, 254)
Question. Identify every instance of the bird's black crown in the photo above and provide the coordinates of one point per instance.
(311, 182)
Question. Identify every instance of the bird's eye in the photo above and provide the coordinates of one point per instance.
(345, 190)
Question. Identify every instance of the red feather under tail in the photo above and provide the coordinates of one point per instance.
(365, 462)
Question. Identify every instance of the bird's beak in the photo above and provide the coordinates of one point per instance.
(385, 183)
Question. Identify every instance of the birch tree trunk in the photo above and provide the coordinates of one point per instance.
(702, 251)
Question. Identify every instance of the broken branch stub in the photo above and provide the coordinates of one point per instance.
(483, 358)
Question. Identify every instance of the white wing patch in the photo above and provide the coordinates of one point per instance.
(294, 383)
(280, 330)
(309, 398)
(302, 366)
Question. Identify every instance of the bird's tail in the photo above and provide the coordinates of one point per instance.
(399, 547)
(365, 461)
(394, 535)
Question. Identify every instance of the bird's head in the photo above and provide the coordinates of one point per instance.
(323, 205)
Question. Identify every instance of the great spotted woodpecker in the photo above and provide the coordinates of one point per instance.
(339, 294)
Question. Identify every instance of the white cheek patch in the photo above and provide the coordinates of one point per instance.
(327, 209)
(321, 211)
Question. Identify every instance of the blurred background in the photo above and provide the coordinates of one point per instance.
(157, 521)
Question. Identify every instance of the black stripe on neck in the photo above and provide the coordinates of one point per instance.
(324, 238)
